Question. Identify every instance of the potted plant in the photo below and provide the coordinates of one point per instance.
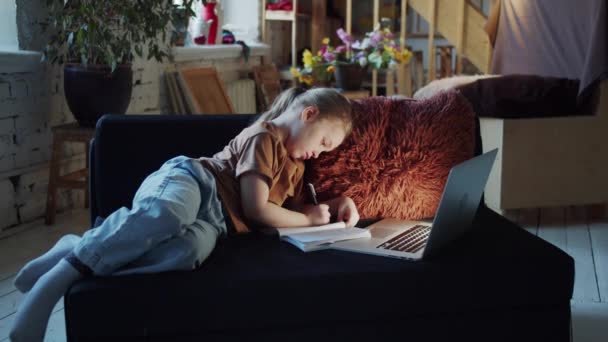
(378, 49)
(350, 66)
(316, 70)
(97, 42)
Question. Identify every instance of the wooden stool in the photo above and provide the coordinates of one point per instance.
(71, 132)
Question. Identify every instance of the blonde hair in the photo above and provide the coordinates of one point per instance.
(330, 103)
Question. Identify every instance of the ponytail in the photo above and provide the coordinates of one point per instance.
(281, 103)
(330, 103)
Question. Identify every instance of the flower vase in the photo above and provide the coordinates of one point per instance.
(209, 14)
(321, 77)
(349, 76)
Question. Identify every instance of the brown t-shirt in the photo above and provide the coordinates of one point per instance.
(258, 148)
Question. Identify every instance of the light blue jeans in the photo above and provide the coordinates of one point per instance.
(175, 221)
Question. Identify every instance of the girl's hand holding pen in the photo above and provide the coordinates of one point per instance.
(347, 211)
(317, 214)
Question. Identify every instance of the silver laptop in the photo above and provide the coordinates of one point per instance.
(417, 240)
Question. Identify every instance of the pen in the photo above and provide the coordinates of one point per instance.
(313, 193)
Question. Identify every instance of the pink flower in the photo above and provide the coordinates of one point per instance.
(340, 49)
(361, 45)
(329, 57)
(345, 37)
(375, 38)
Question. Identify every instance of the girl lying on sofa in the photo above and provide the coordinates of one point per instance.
(180, 210)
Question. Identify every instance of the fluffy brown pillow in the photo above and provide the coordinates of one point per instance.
(397, 159)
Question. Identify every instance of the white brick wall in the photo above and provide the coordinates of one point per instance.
(8, 214)
(32, 103)
(7, 151)
(5, 90)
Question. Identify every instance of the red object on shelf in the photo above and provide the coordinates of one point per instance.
(283, 5)
(200, 40)
(209, 13)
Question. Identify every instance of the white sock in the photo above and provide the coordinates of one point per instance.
(33, 314)
(29, 274)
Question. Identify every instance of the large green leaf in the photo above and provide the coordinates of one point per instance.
(375, 60)
(110, 31)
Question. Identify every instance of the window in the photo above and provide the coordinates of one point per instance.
(241, 17)
(8, 26)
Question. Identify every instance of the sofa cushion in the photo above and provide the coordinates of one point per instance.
(397, 159)
(446, 83)
(255, 282)
(523, 96)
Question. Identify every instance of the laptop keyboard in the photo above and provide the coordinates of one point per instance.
(411, 241)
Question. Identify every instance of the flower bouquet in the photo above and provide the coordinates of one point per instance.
(349, 60)
(317, 69)
(378, 49)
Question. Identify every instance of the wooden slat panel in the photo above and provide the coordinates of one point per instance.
(418, 69)
(578, 246)
(599, 243)
(268, 84)
(476, 44)
(404, 72)
(205, 91)
(460, 35)
(319, 16)
(432, 16)
(374, 71)
(176, 94)
(390, 82)
(349, 16)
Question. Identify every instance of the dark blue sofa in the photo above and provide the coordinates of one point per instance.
(497, 283)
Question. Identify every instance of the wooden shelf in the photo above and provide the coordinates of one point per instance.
(284, 15)
(279, 15)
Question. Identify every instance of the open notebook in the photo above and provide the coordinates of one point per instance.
(320, 237)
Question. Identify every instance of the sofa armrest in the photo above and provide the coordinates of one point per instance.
(127, 148)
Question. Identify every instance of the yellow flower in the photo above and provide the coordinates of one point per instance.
(399, 56)
(406, 55)
(331, 69)
(307, 58)
(325, 41)
(295, 72)
(306, 79)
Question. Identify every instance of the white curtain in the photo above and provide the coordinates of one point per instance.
(559, 38)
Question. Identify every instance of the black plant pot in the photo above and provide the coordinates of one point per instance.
(92, 91)
(349, 76)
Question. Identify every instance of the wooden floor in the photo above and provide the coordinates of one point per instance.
(568, 228)
(15, 250)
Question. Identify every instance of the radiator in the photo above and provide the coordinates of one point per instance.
(242, 95)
